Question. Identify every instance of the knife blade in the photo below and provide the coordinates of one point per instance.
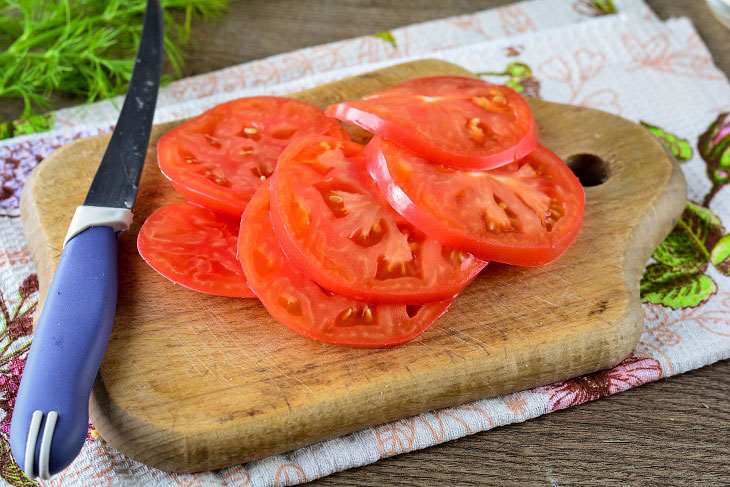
(50, 418)
(116, 181)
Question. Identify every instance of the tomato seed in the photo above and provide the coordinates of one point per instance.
(212, 141)
(290, 304)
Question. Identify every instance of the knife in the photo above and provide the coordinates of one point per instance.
(51, 413)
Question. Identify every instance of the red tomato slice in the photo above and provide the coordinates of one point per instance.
(306, 308)
(195, 248)
(219, 159)
(338, 229)
(526, 213)
(455, 121)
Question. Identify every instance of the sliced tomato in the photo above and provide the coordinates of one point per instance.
(219, 159)
(308, 309)
(333, 223)
(194, 247)
(455, 121)
(526, 213)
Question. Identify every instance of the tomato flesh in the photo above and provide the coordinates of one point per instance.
(195, 248)
(526, 213)
(308, 309)
(333, 223)
(219, 158)
(454, 121)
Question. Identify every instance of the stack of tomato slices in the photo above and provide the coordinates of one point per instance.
(363, 246)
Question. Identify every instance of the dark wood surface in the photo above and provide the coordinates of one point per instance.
(672, 432)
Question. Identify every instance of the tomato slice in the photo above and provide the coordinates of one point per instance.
(306, 308)
(219, 159)
(338, 229)
(455, 121)
(194, 247)
(526, 213)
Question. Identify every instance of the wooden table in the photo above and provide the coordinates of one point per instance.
(675, 431)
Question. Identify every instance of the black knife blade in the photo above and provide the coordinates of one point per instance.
(117, 179)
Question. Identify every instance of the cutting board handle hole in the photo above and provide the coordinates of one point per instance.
(590, 169)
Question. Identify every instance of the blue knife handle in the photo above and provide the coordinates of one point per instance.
(69, 343)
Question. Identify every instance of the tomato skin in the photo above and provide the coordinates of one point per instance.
(194, 247)
(219, 158)
(438, 134)
(531, 249)
(364, 251)
(305, 308)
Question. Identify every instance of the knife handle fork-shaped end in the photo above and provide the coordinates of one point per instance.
(45, 444)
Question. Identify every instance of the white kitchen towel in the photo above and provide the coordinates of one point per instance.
(630, 64)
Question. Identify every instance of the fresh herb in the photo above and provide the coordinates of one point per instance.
(82, 47)
(41, 122)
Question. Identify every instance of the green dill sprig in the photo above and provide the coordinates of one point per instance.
(83, 47)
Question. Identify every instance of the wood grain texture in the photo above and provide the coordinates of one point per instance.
(192, 382)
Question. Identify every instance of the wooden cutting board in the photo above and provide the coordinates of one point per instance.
(193, 382)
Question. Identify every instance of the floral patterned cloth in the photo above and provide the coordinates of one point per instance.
(579, 52)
